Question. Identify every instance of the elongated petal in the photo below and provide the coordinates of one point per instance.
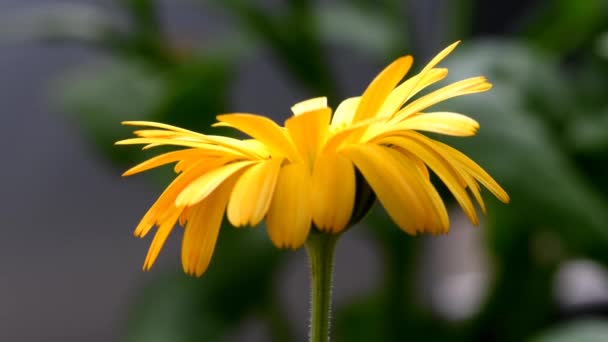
(203, 146)
(308, 131)
(262, 129)
(464, 87)
(160, 237)
(437, 220)
(440, 56)
(333, 192)
(289, 217)
(253, 192)
(408, 89)
(399, 197)
(166, 200)
(381, 86)
(309, 105)
(442, 122)
(162, 126)
(165, 158)
(475, 170)
(205, 184)
(417, 146)
(345, 112)
(202, 229)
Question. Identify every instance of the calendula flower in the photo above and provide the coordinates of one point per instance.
(303, 174)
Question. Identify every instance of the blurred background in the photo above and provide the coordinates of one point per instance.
(70, 71)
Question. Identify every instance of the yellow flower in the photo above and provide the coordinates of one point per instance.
(305, 172)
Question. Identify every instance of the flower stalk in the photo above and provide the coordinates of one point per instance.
(320, 250)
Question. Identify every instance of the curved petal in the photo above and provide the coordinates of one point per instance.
(252, 193)
(166, 201)
(200, 188)
(381, 87)
(475, 170)
(309, 105)
(408, 89)
(262, 129)
(308, 131)
(442, 168)
(333, 192)
(289, 216)
(165, 158)
(202, 229)
(441, 122)
(345, 112)
(382, 171)
(160, 237)
(464, 87)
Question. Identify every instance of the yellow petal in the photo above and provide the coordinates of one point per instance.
(441, 122)
(202, 229)
(160, 237)
(464, 87)
(165, 201)
(333, 192)
(382, 171)
(345, 112)
(289, 216)
(264, 130)
(437, 220)
(308, 131)
(162, 126)
(165, 158)
(381, 86)
(203, 146)
(200, 188)
(252, 193)
(440, 56)
(309, 105)
(475, 170)
(416, 144)
(408, 89)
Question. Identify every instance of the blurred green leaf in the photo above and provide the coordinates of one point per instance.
(197, 90)
(100, 96)
(365, 29)
(67, 21)
(590, 330)
(564, 25)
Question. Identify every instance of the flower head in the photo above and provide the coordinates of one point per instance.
(303, 175)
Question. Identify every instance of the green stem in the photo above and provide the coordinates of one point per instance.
(320, 250)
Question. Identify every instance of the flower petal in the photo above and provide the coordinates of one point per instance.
(309, 105)
(382, 171)
(160, 237)
(200, 188)
(289, 216)
(308, 131)
(441, 122)
(262, 129)
(416, 144)
(408, 89)
(381, 86)
(464, 87)
(333, 192)
(252, 193)
(166, 200)
(165, 158)
(475, 170)
(202, 229)
(345, 112)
